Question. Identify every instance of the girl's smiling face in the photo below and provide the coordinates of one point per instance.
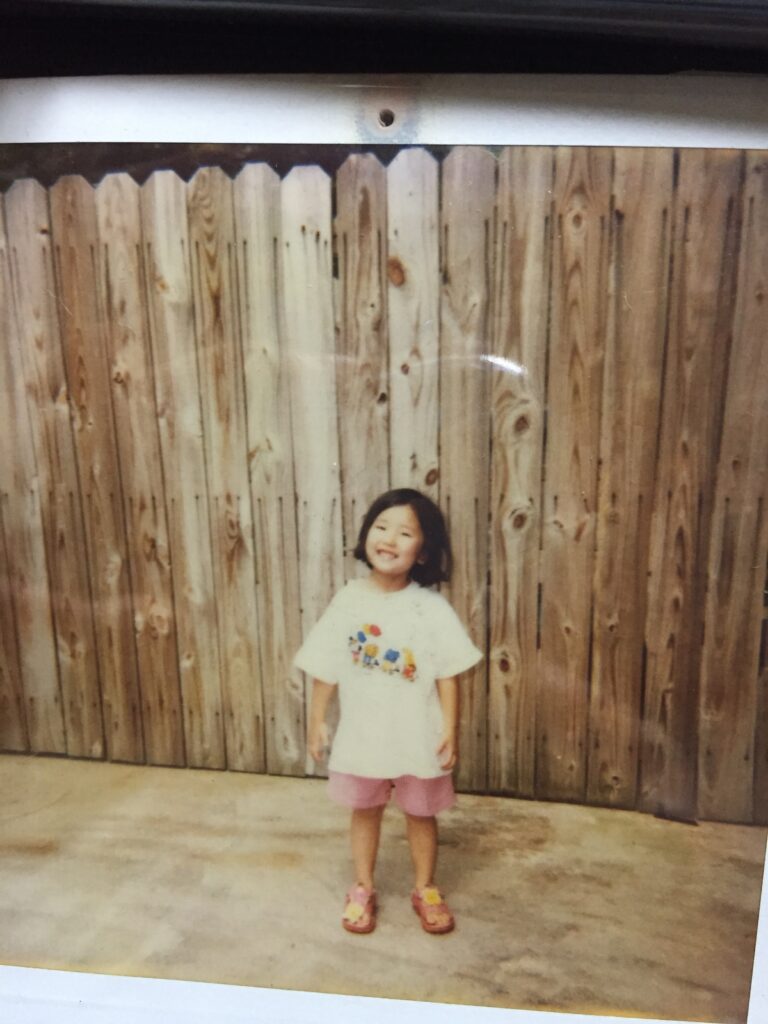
(393, 545)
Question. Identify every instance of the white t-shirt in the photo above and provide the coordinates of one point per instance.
(385, 651)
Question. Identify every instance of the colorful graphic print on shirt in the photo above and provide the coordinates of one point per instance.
(371, 651)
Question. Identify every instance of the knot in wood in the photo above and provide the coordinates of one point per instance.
(522, 423)
(431, 477)
(504, 664)
(519, 520)
(158, 625)
(405, 368)
(395, 272)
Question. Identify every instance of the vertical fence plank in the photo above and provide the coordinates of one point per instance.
(27, 571)
(413, 274)
(42, 367)
(212, 241)
(133, 402)
(13, 724)
(737, 554)
(705, 236)
(468, 196)
(629, 424)
(579, 286)
(172, 328)
(362, 367)
(308, 330)
(73, 223)
(270, 453)
(522, 257)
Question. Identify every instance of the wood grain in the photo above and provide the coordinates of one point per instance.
(26, 572)
(170, 309)
(701, 304)
(212, 244)
(413, 276)
(737, 545)
(582, 189)
(42, 365)
(13, 723)
(204, 384)
(468, 195)
(522, 262)
(642, 186)
(308, 329)
(133, 401)
(362, 358)
(75, 240)
(270, 457)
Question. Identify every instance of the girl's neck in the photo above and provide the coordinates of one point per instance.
(388, 584)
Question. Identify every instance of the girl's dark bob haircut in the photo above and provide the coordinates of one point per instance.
(435, 561)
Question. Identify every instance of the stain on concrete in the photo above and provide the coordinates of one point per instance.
(29, 848)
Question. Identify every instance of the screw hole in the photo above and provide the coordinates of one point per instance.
(386, 118)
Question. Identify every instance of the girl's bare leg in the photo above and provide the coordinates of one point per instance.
(365, 830)
(422, 838)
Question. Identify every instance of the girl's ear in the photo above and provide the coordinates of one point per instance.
(422, 559)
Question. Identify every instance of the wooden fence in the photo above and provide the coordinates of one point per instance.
(204, 384)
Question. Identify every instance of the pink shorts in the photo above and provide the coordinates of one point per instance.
(422, 798)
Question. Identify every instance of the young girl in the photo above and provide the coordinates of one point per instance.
(394, 649)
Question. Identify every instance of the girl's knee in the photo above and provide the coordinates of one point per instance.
(421, 819)
(369, 813)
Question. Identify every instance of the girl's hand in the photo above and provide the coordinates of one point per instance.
(448, 751)
(318, 740)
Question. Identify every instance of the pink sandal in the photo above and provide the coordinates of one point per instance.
(433, 911)
(360, 910)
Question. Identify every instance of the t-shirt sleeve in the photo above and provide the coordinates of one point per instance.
(320, 656)
(454, 652)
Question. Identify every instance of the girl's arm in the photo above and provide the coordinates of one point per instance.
(317, 730)
(448, 691)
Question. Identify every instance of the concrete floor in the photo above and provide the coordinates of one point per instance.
(236, 878)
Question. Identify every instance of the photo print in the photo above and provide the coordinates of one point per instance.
(213, 359)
